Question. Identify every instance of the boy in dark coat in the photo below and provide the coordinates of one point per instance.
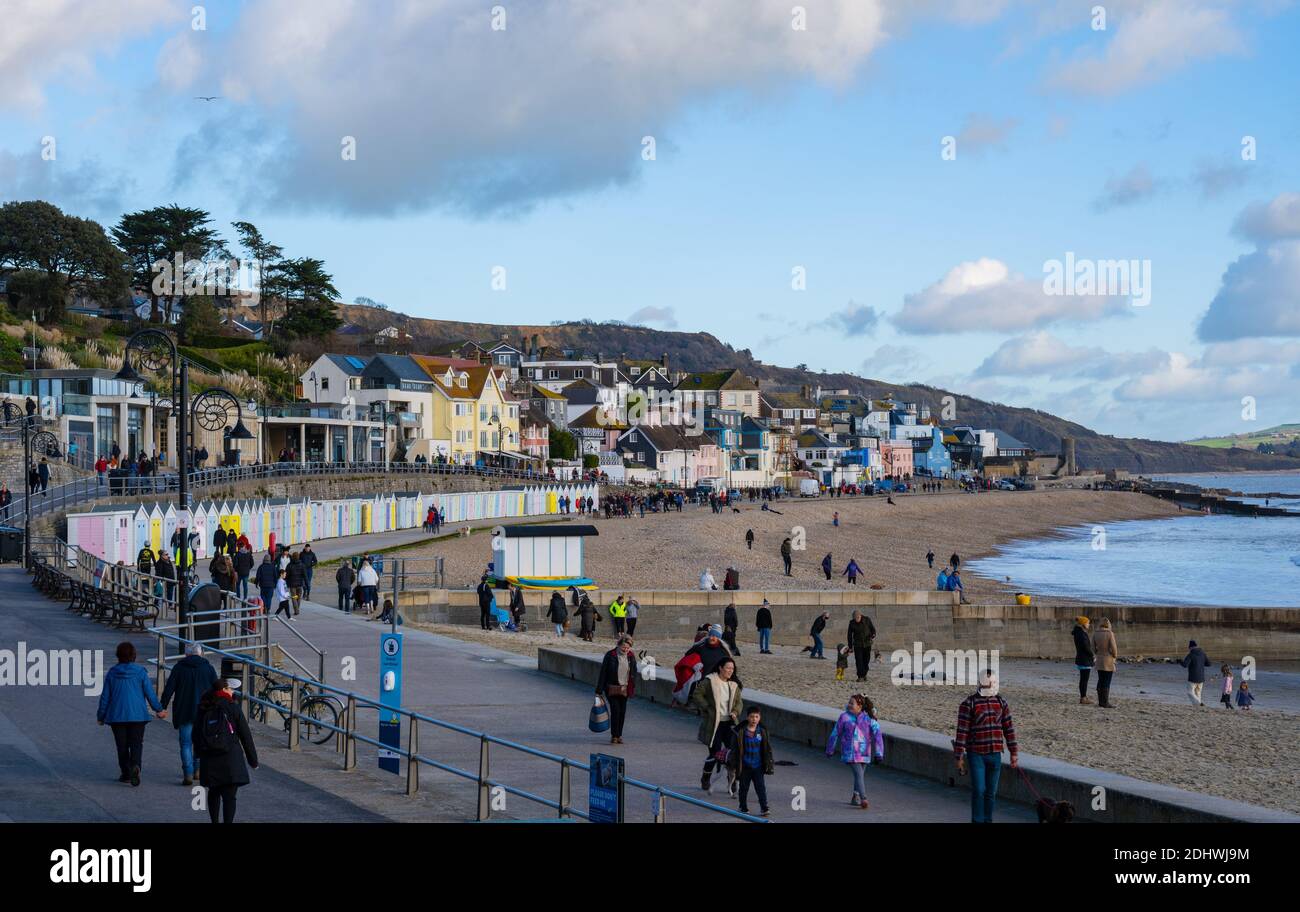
(223, 771)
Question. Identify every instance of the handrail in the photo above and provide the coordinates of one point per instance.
(347, 736)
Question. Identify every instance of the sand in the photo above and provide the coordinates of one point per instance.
(1244, 756)
(888, 541)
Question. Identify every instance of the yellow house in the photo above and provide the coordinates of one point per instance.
(474, 415)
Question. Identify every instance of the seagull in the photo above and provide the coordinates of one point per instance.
(206, 97)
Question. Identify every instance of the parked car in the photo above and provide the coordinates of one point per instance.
(1005, 485)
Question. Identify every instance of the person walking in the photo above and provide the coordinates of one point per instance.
(955, 561)
(852, 571)
(1195, 662)
(787, 556)
(190, 679)
(165, 570)
(308, 558)
(1107, 651)
(124, 706)
(268, 574)
(557, 613)
(587, 617)
(516, 604)
(633, 609)
(827, 565)
(43, 472)
(345, 578)
(862, 637)
(224, 743)
(749, 540)
(730, 624)
(753, 759)
(818, 649)
(763, 623)
(616, 684)
(984, 726)
(219, 540)
(296, 576)
(243, 564)
(1084, 658)
(283, 597)
(929, 558)
(858, 741)
(484, 590)
(719, 703)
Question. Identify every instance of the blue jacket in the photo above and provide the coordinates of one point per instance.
(128, 695)
(941, 581)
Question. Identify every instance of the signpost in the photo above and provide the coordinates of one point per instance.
(605, 789)
(390, 695)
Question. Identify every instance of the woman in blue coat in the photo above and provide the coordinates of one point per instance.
(125, 705)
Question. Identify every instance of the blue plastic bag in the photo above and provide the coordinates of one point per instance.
(599, 719)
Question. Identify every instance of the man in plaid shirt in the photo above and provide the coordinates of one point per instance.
(983, 724)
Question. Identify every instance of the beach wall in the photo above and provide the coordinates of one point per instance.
(929, 755)
(934, 619)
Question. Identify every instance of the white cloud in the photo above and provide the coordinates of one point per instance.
(663, 316)
(852, 320)
(43, 40)
(1185, 379)
(448, 112)
(1275, 220)
(894, 359)
(82, 187)
(1127, 189)
(1260, 293)
(1043, 354)
(1152, 40)
(1250, 352)
(985, 296)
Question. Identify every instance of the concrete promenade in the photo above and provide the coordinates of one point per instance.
(56, 764)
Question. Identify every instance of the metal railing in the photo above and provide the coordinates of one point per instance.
(347, 736)
(83, 490)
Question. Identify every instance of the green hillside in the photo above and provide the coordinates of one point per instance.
(1281, 435)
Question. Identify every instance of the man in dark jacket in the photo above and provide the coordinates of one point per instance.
(787, 555)
(268, 574)
(1195, 662)
(749, 539)
(730, 624)
(1084, 657)
(827, 565)
(818, 649)
(711, 650)
(192, 677)
(587, 616)
(219, 540)
(295, 577)
(557, 613)
(862, 637)
(144, 560)
(243, 562)
(165, 570)
(484, 603)
(763, 623)
(308, 558)
(345, 577)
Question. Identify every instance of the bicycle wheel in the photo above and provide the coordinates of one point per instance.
(320, 714)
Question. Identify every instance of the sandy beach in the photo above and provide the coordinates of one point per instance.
(889, 542)
(1157, 736)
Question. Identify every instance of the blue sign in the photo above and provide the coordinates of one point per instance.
(390, 695)
(605, 789)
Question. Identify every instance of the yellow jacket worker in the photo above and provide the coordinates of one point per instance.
(618, 614)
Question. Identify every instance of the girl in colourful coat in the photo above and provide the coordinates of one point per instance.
(858, 739)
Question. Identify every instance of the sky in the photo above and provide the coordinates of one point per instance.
(893, 188)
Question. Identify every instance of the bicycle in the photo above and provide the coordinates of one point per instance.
(319, 711)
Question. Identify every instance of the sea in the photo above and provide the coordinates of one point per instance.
(1234, 561)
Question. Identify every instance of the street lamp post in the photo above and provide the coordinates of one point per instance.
(46, 444)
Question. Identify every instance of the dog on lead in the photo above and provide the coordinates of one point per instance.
(1050, 811)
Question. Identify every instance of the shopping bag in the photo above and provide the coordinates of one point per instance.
(599, 719)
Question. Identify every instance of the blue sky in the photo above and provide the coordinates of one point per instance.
(776, 148)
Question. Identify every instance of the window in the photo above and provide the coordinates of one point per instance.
(631, 437)
(463, 381)
(640, 456)
(552, 374)
(578, 373)
(324, 384)
(749, 398)
(482, 412)
(482, 438)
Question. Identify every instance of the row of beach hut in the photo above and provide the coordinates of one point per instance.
(117, 532)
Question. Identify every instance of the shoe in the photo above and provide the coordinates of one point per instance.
(135, 775)
(188, 780)
(744, 810)
(765, 813)
(855, 800)
(706, 783)
(124, 778)
(1084, 701)
(864, 804)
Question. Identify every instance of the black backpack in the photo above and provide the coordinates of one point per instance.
(217, 733)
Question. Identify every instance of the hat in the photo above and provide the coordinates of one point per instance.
(232, 683)
(1191, 644)
(988, 684)
(715, 630)
(1082, 621)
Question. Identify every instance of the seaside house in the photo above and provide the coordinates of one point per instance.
(931, 457)
(728, 389)
(676, 457)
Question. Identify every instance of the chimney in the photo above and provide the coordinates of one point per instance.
(805, 391)
(663, 361)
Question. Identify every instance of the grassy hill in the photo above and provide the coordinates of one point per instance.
(1281, 436)
(701, 351)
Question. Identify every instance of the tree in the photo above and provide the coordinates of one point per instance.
(57, 255)
(153, 239)
(563, 444)
(309, 295)
(265, 255)
(199, 319)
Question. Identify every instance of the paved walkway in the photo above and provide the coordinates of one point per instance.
(56, 764)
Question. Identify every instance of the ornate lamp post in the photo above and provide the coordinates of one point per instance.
(42, 443)
(211, 411)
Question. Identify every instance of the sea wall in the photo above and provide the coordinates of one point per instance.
(929, 754)
(934, 619)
